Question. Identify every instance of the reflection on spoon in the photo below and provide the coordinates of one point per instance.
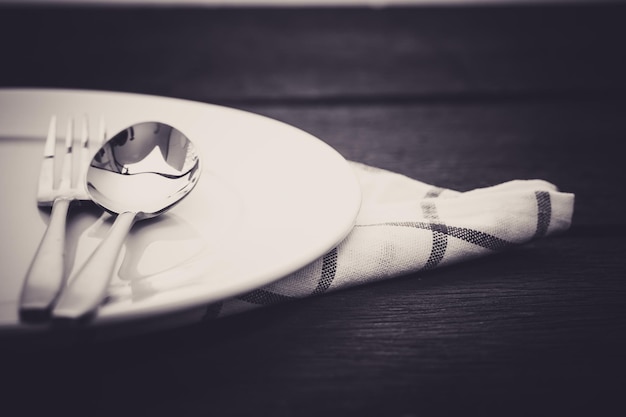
(138, 174)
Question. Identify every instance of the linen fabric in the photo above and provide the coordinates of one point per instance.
(406, 226)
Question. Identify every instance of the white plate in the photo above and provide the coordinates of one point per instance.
(270, 200)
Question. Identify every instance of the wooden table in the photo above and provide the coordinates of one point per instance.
(456, 97)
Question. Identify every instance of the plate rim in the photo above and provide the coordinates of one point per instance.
(133, 316)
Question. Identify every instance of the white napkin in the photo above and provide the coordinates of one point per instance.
(406, 226)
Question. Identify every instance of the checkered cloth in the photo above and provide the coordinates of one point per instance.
(406, 226)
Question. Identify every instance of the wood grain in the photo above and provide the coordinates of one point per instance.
(472, 145)
(222, 55)
(536, 330)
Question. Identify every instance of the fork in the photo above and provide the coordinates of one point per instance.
(46, 274)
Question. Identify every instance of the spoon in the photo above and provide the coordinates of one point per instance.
(140, 173)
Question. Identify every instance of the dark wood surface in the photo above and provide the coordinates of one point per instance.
(456, 97)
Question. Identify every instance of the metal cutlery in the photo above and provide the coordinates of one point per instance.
(46, 276)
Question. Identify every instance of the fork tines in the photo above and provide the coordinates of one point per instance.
(69, 186)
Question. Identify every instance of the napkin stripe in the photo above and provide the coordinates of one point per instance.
(475, 237)
(434, 192)
(440, 232)
(482, 239)
(264, 297)
(329, 269)
(544, 213)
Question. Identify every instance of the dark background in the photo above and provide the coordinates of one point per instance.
(459, 97)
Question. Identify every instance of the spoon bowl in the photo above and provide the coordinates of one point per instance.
(146, 169)
(139, 173)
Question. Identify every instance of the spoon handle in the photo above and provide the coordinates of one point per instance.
(87, 288)
(46, 274)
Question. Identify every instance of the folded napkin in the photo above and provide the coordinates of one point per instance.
(405, 226)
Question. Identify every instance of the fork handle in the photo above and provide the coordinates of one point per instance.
(86, 290)
(46, 274)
